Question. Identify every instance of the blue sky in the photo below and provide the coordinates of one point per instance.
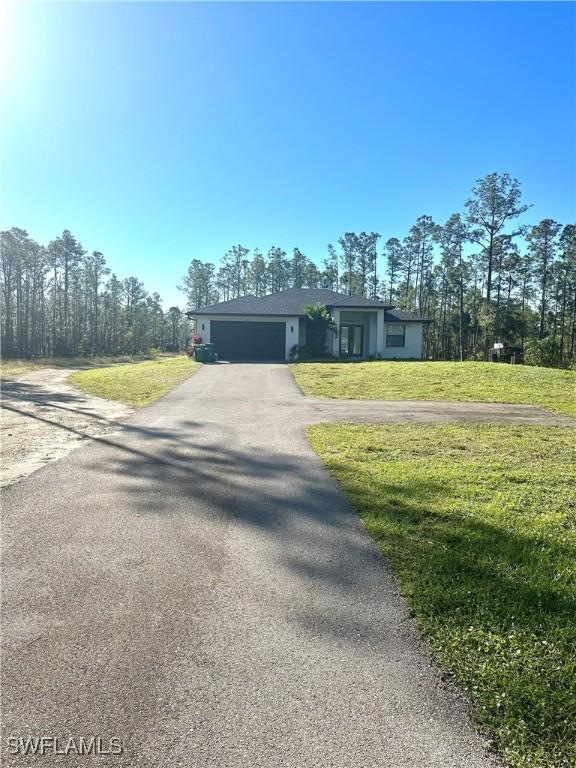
(162, 132)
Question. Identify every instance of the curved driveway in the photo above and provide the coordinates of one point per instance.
(197, 586)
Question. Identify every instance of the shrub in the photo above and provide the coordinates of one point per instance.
(307, 354)
(318, 322)
(152, 353)
(542, 352)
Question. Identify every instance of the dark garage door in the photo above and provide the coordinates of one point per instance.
(237, 340)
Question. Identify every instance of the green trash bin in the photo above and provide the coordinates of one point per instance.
(199, 353)
(208, 353)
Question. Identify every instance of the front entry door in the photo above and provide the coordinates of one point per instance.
(351, 340)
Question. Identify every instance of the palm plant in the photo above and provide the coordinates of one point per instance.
(318, 321)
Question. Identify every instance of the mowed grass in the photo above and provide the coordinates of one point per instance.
(138, 384)
(548, 388)
(479, 525)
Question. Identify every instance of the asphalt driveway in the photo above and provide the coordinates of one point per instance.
(196, 586)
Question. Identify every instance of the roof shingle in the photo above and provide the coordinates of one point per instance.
(394, 315)
(289, 302)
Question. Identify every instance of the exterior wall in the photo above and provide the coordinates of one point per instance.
(292, 326)
(413, 343)
(380, 338)
(374, 330)
(372, 347)
(375, 335)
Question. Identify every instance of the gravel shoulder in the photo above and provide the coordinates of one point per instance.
(44, 417)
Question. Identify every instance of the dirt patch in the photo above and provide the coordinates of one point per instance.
(44, 417)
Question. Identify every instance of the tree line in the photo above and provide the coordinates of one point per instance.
(479, 277)
(60, 299)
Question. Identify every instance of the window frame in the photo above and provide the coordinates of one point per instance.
(398, 336)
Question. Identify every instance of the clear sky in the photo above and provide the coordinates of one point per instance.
(162, 132)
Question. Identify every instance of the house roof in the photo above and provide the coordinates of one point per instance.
(289, 303)
(395, 315)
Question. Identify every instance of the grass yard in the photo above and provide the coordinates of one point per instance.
(14, 367)
(479, 525)
(548, 388)
(138, 384)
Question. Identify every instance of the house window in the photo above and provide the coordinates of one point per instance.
(395, 335)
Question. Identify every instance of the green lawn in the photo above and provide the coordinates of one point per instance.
(479, 525)
(14, 367)
(137, 384)
(548, 388)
